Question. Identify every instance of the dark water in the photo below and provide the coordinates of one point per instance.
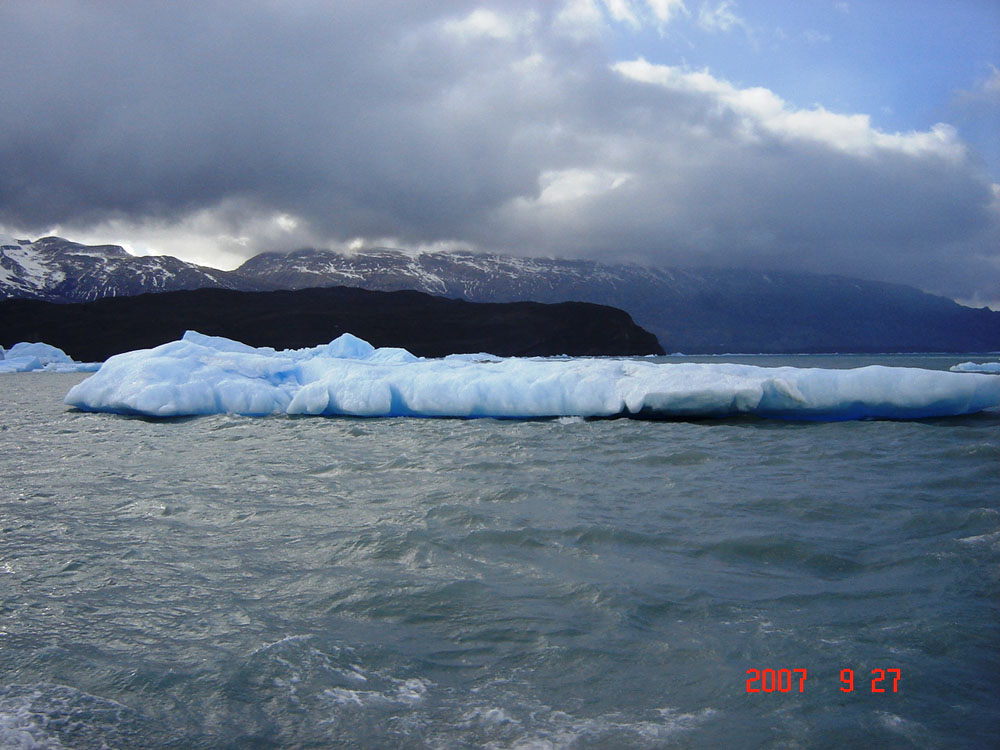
(228, 582)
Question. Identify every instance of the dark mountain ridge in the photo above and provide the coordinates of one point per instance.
(425, 325)
(689, 310)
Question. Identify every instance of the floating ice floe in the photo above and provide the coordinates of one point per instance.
(27, 357)
(989, 367)
(210, 375)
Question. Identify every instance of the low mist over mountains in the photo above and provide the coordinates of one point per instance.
(694, 311)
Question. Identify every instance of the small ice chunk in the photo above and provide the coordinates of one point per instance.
(44, 352)
(990, 367)
(33, 357)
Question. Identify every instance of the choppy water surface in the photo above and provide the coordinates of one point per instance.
(227, 582)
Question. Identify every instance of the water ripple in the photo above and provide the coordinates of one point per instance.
(293, 583)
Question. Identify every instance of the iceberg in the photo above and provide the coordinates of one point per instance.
(34, 357)
(990, 367)
(211, 375)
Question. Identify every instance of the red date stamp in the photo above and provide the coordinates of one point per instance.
(794, 680)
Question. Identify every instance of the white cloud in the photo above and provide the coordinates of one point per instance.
(666, 10)
(579, 19)
(761, 112)
(987, 89)
(585, 18)
(815, 37)
(222, 236)
(720, 17)
(484, 23)
(991, 86)
(569, 185)
(623, 11)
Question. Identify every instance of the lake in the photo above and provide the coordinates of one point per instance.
(283, 582)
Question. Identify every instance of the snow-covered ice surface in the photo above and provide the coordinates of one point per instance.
(209, 375)
(33, 357)
(991, 367)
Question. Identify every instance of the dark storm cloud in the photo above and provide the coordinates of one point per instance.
(434, 122)
(157, 107)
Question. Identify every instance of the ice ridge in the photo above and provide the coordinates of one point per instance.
(210, 375)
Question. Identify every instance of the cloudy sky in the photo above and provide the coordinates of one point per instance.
(857, 137)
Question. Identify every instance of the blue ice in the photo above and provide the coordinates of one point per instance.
(210, 375)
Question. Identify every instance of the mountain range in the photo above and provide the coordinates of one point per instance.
(689, 310)
(422, 324)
